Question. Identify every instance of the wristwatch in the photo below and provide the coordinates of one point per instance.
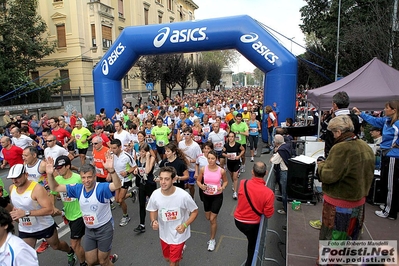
(27, 213)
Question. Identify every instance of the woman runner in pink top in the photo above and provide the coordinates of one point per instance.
(214, 182)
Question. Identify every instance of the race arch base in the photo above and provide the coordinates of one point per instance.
(239, 32)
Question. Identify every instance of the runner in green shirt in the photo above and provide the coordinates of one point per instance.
(73, 214)
(241, 130)
(80, 135)
(161, 134)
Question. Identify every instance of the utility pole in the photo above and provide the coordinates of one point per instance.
(337, 54)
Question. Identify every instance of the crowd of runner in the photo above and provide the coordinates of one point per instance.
(190, 141)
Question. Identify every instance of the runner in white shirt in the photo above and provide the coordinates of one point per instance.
(20, 140)
(53, 150)
(191, 150)
(217, 137)
(121, 134)
(172, 210)
(124, 166)
(220, 112)
(13, 249)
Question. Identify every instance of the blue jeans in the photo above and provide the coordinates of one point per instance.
(283, 184)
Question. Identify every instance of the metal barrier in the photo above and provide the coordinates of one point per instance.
(260, 248)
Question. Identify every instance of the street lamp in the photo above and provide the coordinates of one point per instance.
(291, 42)
(337, 53)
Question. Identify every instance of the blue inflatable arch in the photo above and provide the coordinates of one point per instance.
(239, 32)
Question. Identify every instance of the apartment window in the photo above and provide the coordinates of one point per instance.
(64, 74)
(159, 19)
(107, 36)
(93, 36)
(126, 82)
(145, 16)
(61, 36)
(181, 12)
(190, 15)
(170, 5)
(120, 8)
(35, 77)
(57, 0)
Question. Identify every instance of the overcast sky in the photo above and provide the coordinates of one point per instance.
(282, 16)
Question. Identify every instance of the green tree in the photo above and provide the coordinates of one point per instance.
(365, 32)
(199, 74)
(221, 57)
(171, 65)
(258, 76)
(214, 74)
(185, 70)
(23, 43)
(149, 69)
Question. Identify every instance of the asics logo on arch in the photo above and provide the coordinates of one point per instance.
(179, 36)
(259, 47)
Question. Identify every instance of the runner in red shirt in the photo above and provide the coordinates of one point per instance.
(12, 154)
(59, 132)
(98, 122)
(73, 119)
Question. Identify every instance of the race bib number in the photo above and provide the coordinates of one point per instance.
(150, 140)
(27, 221)
(90, 219)
(65, 198)
(218, 145)
(197, 138)
(160, 143)
(171, 215)
(78, 136)
(206, 129)
(238, 137)
(231, 155)
(141, 171)
(99, 171)
(211, 189)
(254, 130)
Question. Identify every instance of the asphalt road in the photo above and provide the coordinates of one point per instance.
(145, 249)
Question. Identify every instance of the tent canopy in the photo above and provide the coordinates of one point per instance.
(369, 88)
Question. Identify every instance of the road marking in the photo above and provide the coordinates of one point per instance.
(198, 232)
(224, 236)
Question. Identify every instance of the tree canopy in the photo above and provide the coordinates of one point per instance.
(23, 43)
(365, 32)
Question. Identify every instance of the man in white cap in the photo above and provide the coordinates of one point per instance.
(33, 209)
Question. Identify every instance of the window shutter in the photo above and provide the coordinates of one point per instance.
(61, 36)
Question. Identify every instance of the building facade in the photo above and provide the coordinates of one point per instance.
(84, 30)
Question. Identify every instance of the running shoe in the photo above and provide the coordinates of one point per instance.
(281, 211)
(133, 195)
(382, 207)
(255, 152)
(139, 229)
(235, 195)
(252, 159)
(43, 246)
(124, 220)
(113, 258)
(383, 214)
(211, 245)
(71, 259)
(112, 206)
(243, 168)
(316, 224)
